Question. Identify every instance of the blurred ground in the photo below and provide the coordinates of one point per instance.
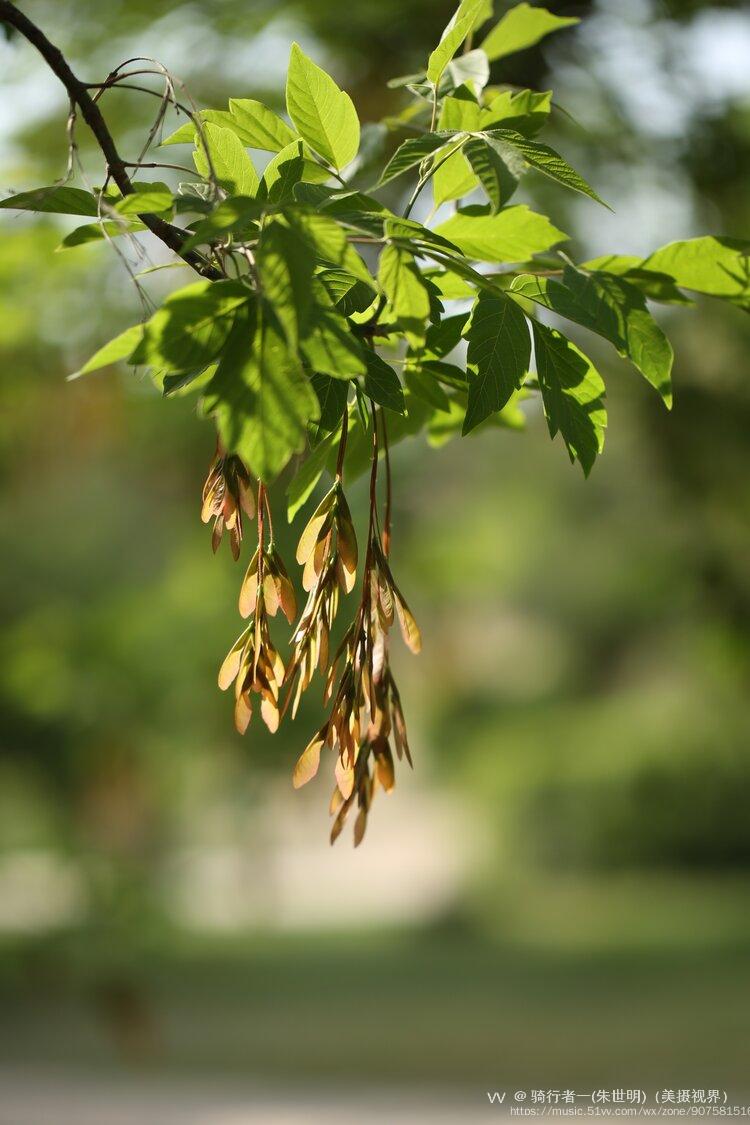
(35, 1095)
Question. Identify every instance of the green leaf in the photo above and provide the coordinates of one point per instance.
(382, 384)
(54, 201)
(450, 285)
(719, 267)
(655, 286)
(546, 160)
(302, 484)
(447, 373)
(348, 293)
(98, 232)
(479, 10)
(409, 154)
(330, 243)
(261, 127)
(454, 179)
(491, 170)
(453, 37)
(147, 199)
(122, 347)
(332, 397)
(472, 68)
(405, 289)
(572, 392)
(187, 131)
(260, 396)
(522, 27)
(286, 170)
(444, 336)
(460, 113)
(515, 234)
(191, 327)
(323, 114)
(232, 167)
(612, 308)
(498, 357)
(328, 344)
(232, 214)
(187, 382)
(416, 236)
(525, 111)
(424, 385)
(285, 265)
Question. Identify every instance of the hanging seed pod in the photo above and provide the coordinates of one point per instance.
(256, 669)
(327, 551)
(278, 591)
(253, 663)
(227, 493)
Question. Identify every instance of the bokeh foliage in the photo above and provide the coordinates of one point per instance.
(591, 641)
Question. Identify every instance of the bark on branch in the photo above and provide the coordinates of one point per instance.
(78, 93)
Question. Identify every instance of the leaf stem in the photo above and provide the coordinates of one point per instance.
(342, 444)
(388, 489)
(426, 179)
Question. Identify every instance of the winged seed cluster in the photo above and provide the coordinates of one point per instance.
(365, 706)
(334, 311)
(226, 495)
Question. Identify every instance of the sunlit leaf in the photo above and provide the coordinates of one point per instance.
(229, 163)
(146, 199)
(405, 289)
(192, 325)
(324, 115)
(122, 347)
(515, 234)
(410, 154)
(187, 132)
(719, 267)
(522, 27)
(261, 127)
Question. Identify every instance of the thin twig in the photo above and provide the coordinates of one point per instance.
(170, 235)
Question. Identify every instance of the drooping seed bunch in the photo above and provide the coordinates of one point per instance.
(253, 663)
(366, 709)
(365, 721)
(226, 495)
(328, 552)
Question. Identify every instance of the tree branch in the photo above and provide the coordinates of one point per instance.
(79, 95)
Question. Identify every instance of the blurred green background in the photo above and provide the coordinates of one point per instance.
(558, 894)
